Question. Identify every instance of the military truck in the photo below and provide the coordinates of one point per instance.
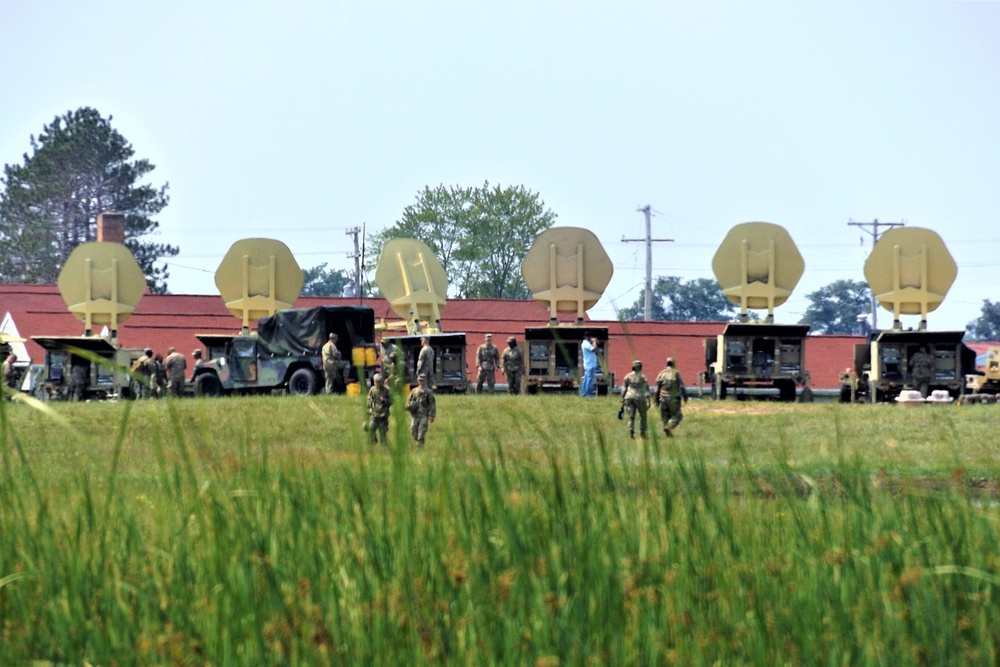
(882, 366)
(984, 386)
(107, 367)
(285, 353)
(450, 373)
(754, 357)
(555, 358)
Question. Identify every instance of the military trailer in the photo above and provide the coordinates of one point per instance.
(984, 386)
(755, 357)
(882, 367)
(554, 358)
(450, 372)
(106, 367)
(286, 352)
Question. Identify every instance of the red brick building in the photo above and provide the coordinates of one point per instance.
(161, 321)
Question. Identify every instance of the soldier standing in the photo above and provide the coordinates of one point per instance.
(9, 373)
(332, 364)
(425, 360)
(198, 361)
(79, 378)
(670, 390)
(379, 401)
(422, 408)
(487, 360)
(512, 366)
(144, 370)
(635, 397)
(389, 361)
(922, 367)
(175, 365)
(157, 377)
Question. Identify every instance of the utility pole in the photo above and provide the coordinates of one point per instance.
(875, 224)
(355, 231)
(647, 313)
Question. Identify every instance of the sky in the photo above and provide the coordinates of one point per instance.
(300, 120)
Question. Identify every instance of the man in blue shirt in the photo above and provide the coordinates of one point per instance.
(588, 383)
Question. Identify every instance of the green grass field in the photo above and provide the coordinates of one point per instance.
(529, 531)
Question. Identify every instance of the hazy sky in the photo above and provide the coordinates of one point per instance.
(298, 120)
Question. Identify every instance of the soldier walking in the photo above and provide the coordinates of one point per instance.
(512, 366)
(922, 367)
(425, 360)
(487, 360)
(175, 365)
(379, 401)
(143, 372)
(422, 408)
(332, 365)
(635, 398)
(670, 390)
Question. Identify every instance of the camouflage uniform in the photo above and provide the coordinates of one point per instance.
(425, 362)
(389, 361)
(922, 366)
(670, 390)
(487, 359)
(512, 365)
(333, 362)
(144, 371)
(175, 365)
(635, 397)
(379, 400)
(157, 377)
(423, 409)
(79, 378)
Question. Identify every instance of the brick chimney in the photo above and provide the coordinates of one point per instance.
(111, 227)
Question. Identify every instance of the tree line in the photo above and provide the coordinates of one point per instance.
(80, 166)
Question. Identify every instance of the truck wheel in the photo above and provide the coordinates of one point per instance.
(207, 385)
(845, 393)
(786, 391)
(302, 383)
(718, 390)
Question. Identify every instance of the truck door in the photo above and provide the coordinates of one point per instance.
(244, 361)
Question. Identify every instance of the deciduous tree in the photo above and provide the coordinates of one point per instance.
(678, 300)
(834, 309)
(480, 235)
(79, 167)
(987, 326)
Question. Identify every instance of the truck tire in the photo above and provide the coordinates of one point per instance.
(302, 383)
(718, 389)
(845, 393)
(207, 385)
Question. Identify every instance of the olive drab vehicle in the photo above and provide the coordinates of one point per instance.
(910, 272)
(984, 387)
(415, 285)
(259, 280)
(567, 271)
(757, 266)
(101, 284)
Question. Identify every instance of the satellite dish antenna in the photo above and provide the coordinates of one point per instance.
(567, 270)
(910, 272)
(757, 266)
(414, 282)
(257, 278)
(101, 284)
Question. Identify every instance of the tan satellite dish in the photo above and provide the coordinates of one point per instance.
(257, 278)
(910, 271)
(567, 270)
(757, 266)
(414, 283)
(101, 284)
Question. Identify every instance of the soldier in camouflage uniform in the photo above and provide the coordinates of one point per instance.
(143, 369)
(425, 360)
(175, 365)
(389, 361)
(332, 365)
(670, 390)
(512, 365)
(379, 400)
(422, 408)
(487, 360)
(635, 397)
(922, 368)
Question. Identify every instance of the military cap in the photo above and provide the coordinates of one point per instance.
(171, 349)
(196, 353)
(637, 365)
(376, 378)
(333, 337)
(670, 361)
(422, 376)
(489, 336)
(511, 340)
(148, 350)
